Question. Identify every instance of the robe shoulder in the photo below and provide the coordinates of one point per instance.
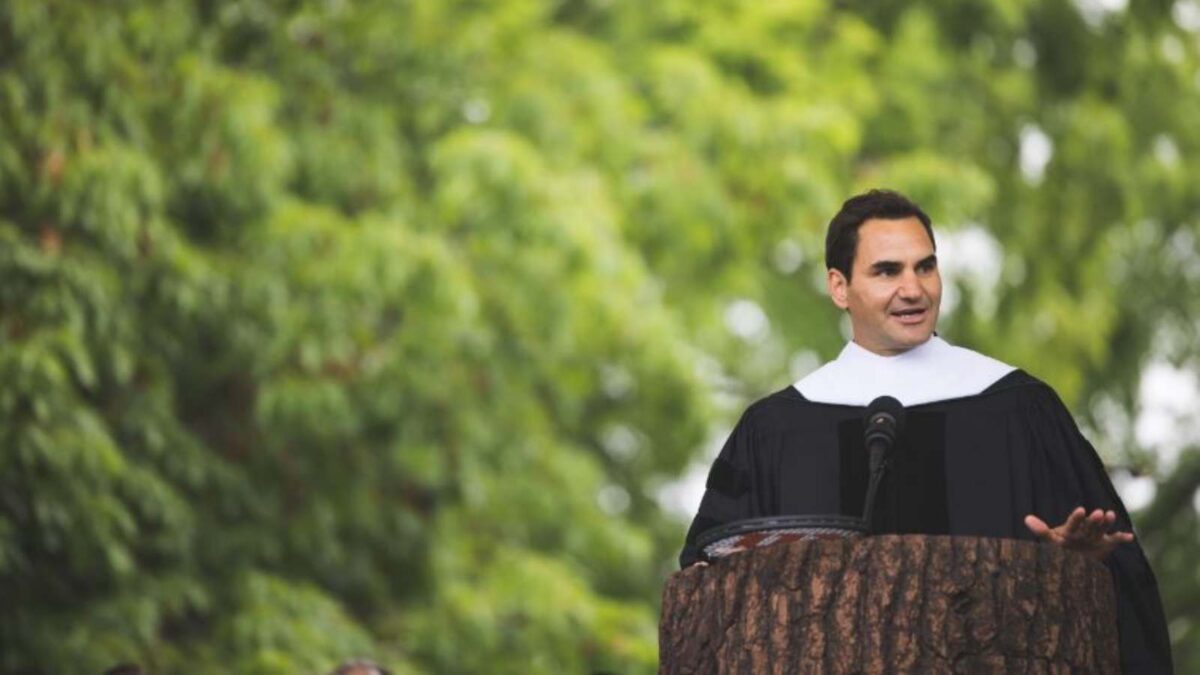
(1016, 380)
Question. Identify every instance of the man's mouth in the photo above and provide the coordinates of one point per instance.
(910, 316)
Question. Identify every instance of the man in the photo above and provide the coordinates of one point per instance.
(987, 450)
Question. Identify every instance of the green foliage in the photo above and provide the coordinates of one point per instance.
(339, 329)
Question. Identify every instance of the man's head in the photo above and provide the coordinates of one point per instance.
(882, 269)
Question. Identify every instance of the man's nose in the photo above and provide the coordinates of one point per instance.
(910, 286)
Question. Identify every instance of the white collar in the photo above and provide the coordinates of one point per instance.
(933, 371)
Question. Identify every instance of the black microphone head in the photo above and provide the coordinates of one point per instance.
(885, 415)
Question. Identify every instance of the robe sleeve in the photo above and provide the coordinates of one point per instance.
(732, 491)
(1071, 475)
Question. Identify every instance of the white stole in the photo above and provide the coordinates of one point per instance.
(933, 371)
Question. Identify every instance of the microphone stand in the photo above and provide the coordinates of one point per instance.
(879, 459)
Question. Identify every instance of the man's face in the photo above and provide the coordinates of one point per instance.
(894, 290)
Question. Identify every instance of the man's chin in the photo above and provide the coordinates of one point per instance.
(911, 338)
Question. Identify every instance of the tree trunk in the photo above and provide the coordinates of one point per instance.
(891, 604)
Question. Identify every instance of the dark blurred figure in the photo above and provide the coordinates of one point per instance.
(125, 669)
(361, 667)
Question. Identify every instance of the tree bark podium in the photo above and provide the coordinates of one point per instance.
(891, 604)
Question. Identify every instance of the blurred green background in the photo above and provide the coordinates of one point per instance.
(401, 329)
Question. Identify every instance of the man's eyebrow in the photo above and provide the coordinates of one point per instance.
(895, 265)
(886, 266)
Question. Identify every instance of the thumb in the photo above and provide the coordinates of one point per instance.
(1037, 525)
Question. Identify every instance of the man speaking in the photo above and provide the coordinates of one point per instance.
(987, 450)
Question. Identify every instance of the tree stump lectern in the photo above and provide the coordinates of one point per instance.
(891, 604)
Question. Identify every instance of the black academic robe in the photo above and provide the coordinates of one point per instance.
(968, 466)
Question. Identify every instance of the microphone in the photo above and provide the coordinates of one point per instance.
(883, 423)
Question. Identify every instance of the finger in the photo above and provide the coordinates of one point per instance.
(1039, 528)
(1077, 516)
(1081, 529)
(1108, 544)
(1104, 522)
(1093, 528)
(1120, 537)
(1110, 519)
(1073, 522)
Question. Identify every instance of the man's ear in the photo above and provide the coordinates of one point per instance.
(837, 285)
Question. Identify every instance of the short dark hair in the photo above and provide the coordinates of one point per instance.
(841, 241)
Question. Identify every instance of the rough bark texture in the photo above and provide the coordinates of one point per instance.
(891, 604)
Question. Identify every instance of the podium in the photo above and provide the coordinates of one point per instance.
(891, 604)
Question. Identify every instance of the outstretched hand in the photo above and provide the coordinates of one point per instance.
(1083, 532)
